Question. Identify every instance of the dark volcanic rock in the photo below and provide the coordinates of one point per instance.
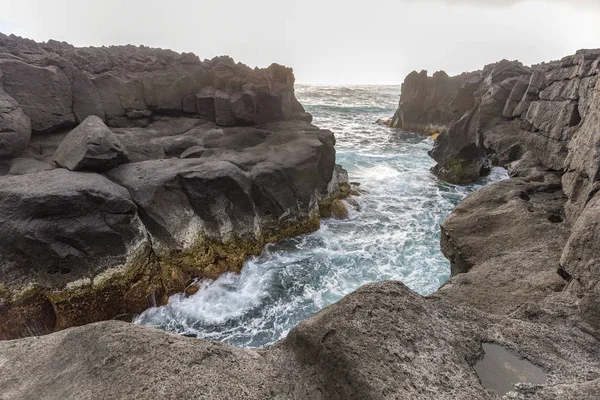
(498, 114)
(430, 105)
(200, 217)
(44, 93)
(523, 247)
(15, 126)
(164, 220)
(92, 147)
(506, 240)
(59, 85)
(60, 231)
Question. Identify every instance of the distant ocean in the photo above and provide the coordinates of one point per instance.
(395, 235)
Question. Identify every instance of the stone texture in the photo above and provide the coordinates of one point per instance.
(15, 126)
(90, 147)
(580, 259)
(58, 85)
(59, 229)
(262, 175)
(381, 342)
(504, 243)
(200, 216)
(23, 166)
(501, 112)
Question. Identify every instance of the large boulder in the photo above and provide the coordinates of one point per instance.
(91, 147)
(66, 238)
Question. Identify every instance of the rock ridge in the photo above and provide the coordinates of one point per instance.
(128, 172)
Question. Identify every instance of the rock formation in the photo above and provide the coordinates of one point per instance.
(525, 247)
(381, 342)
(92, 147)
(230, 170)
(496, 115)
(543, 123)
(130, 171)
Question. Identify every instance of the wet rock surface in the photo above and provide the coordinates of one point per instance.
(499, 370)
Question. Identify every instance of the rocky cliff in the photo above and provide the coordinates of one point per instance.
(543, 124)
(522, 251)
(496, 115)
(126, 172)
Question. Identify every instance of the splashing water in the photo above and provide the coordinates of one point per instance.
(395, 235)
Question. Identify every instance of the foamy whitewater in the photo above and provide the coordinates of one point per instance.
(395, 235)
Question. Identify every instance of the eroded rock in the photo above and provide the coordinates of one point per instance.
(91, 147)
(381, 342)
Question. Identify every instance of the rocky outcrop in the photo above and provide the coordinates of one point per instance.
(139, 212)
(58, 85)
(430, 105)
(91, 147)
(525, 247)
(496, 115)
(213, 181)
(504, 243)
(381, 342)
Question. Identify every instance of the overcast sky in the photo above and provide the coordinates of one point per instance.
(325, 41)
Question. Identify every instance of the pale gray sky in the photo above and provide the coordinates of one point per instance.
(325, 41)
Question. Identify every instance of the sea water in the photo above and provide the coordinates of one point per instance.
(394, 235)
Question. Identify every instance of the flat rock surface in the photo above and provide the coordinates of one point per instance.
(504, 243)
(381, 342)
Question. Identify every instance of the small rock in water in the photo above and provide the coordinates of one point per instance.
(339, 210)
(191, 290)
(500, 369)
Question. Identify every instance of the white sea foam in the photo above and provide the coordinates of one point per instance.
(394, 236)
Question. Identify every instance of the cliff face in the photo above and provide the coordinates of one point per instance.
(532, 235)
(58, 85)
(175, 169)
(498, 114)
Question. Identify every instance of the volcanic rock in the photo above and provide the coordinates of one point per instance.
(92, 147)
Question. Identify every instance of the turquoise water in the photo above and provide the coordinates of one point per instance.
(395, 235)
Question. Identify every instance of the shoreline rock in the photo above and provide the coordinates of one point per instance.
(170, 218)
(382, 341)
(496, 115)
(133, 221)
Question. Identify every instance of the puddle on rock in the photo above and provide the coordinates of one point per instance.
(500, 369)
